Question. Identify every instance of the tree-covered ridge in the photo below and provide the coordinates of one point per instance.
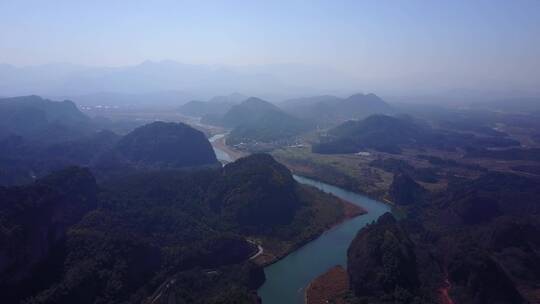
(35, 221)
(382, 263)
(474, 242)
(255, 192)
(330, 110)
(165, 145)
(151, 236)
(158, 145)
(405, 191)
(257, 120)
(42, 119)
(391, 134)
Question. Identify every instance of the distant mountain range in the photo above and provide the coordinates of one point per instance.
(189, 81)
(147, 99)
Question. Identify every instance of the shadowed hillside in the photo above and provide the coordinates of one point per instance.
(165, 145)
(256, 120)
(153, 236)
(330, 110)
(157, 145)
(41, 119)
(391, 134)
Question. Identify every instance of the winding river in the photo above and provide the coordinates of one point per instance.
(221, 155)
(287, 278)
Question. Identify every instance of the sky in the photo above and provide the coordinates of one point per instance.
(414, 43)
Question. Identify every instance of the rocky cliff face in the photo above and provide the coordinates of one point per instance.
(35, 219)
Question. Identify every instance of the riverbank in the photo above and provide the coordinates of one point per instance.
(348, 171)
(381, 192)
(273, 250)
(327, 233)
(330, 287)
(287, 279)
(344, 171)
(234, 154)
(380, 195)
(322, 206)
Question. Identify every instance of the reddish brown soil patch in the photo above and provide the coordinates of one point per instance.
(351, 210)
(329, 287)
(444, 291)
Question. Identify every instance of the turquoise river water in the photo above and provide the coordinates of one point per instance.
(287, 278)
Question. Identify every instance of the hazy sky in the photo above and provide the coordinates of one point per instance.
(411, 42)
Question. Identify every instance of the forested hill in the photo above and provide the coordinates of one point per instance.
(475, 242)
(152, 235)
(163, 144)
(330, 110)
(42, 119)
(392, 133)
(158, 145)
(258, 120)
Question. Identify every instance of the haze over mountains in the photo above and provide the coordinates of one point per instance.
(169, 82)
(269, 152)
(390, 134)
(38, 136)
(152, 208)
(165, 81)
(216, 106)
(41, 119)
(327, 110)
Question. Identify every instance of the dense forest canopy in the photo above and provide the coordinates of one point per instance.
(143, 212)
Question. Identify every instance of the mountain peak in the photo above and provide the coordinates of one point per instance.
(365, 98)
(166, 144)
(255, 103)
(253, 99)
